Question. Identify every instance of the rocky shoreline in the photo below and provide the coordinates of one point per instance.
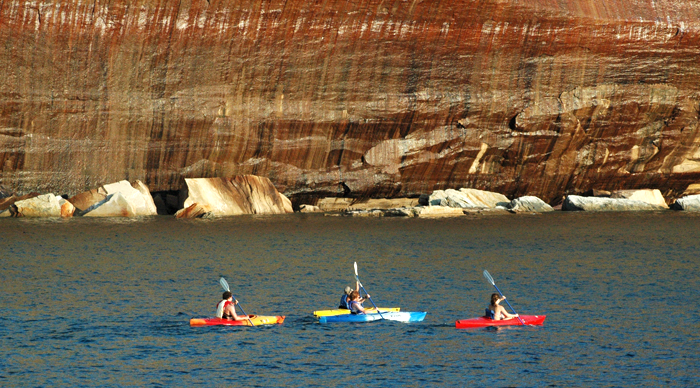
(250, 194)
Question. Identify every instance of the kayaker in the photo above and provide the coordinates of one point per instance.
(495, 311)
(226, 309)
(356, 303)
(345, 300)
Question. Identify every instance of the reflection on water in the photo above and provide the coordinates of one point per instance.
(107, 301)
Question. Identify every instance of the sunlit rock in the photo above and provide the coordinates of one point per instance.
(467, 198)
(134, 199)
(650, 196)
(688, 203)
(528, 204)
(309, 209)
(67, 208)
(333, 204)
(10, 199)
(692, 189)
(114, 205)
(243, 194)
(577, 203)
(438, 211)
(47, 205)
(192, 211)
(383, 203)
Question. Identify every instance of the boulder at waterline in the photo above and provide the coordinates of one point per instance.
(192, 211)
(242, 194)
(688, 203)
(46, 205)
(651, 196)
(528, 204)
(136, 195)
(577, 203)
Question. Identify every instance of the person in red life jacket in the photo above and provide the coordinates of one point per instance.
(226, 309)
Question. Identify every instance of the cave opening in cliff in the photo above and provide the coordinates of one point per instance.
(167, 202)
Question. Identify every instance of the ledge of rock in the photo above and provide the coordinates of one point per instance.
(467, 198)
(331, 204)
(242, 194)
(577, 203)
(309, 209)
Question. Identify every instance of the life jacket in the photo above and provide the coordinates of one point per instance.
(353, 309)
(490, 314)
(220, 308)
(344, 302)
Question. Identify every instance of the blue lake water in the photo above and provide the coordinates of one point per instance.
(107, 302)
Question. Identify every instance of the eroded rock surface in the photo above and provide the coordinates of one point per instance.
(246, 194)
(394, 99)
(133, 199)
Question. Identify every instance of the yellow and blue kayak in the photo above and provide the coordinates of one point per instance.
(389, 316)
(328, 313)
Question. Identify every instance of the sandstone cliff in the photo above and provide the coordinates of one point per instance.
(395, 98)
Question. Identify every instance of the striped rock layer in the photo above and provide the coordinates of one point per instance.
(394, 98)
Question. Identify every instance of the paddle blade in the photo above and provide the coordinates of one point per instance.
(488, 277)
(355, 269)
(224, 284)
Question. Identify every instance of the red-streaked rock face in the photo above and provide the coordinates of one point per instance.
(394, 98)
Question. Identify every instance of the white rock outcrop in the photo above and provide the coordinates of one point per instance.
(467, 199)
(578, 203)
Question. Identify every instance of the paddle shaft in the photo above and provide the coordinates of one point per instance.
(369, 297)
(511, 307)
(357, 277)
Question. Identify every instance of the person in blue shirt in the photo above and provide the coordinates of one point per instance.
(355, 303)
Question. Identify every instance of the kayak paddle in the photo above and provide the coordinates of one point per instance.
(488, 277)
(366, 293)
(224, 285)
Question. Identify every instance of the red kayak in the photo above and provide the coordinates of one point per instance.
(486, 322)
(256, 320)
